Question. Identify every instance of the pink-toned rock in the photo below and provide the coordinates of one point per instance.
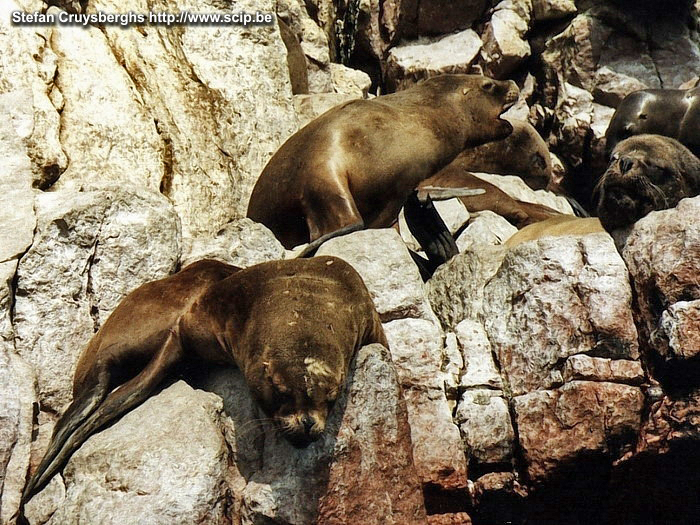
(438, 451)
(587, 368)
(559, 427)
(554, 298)
(669, 421)
(458, 518)
(662, 252)
(505, 41)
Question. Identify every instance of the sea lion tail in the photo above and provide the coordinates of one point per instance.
(310, 249)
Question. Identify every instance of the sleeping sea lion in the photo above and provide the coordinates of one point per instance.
(354, 166)
(291, 326)
(646, 173)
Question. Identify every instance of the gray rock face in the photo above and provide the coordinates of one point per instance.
(241, 243)
(90, 249)
(416, 60)
(393, 280)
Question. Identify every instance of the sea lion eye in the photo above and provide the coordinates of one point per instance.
(488, 86)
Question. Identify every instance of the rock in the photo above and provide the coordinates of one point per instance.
(308, 107)
(417, 352)
(679, 331)
(241, 242)
(391, 276)
(499, 497)
(438, 451)
(439, 17)
(348, 81)
(147, 457)
(16, 195)
(484, 420)
(220, 99)
(554, 298)
(416, 60)
(90, 249)
(16, 404)
(372, 478)
(29, 70)
(662, 251)
(485, 229)
(552, 9)
(456, 290)
(452, 518)
(580, 420)
(479, 367)
(119, 143)
(602, 60)
(505, 42)
(361, 471)
(587, 368)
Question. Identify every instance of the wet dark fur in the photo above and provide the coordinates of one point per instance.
(292, 327)
(646, 173)
(673, 113)
(354, 166)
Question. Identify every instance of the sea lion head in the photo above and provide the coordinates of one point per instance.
(298, 392)
(481, 101)
(646, 173)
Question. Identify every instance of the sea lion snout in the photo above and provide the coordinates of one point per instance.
(303, 428)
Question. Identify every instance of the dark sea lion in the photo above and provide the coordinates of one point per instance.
(523, 153)
(673, 113)
(646, 173)
(518, 213)
(354, 166)
(291, 326)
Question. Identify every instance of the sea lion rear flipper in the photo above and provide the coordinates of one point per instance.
(117, 403)
(429, 229)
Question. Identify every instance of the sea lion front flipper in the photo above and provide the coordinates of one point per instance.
(429, 229)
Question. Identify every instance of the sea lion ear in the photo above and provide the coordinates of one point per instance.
(274, 378)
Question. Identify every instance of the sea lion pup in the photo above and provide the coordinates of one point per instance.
(556, 227)
(646, 173)
(522, 153)
(354, 166)
(673, 113)
(291, 326)
(518, 213)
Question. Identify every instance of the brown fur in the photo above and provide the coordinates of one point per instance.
(523, 153)
(292, 328)
(355, 165)
(646, 173)
(556, 227)
(518, 213)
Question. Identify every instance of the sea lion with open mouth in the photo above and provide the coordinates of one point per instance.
(354, 166)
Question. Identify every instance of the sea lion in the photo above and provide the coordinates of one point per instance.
(518, 213)
(646, 173)
(523, 153)
(673, 113)
(556, 227)
(291, 326)
(354, 166)
(296, 60)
